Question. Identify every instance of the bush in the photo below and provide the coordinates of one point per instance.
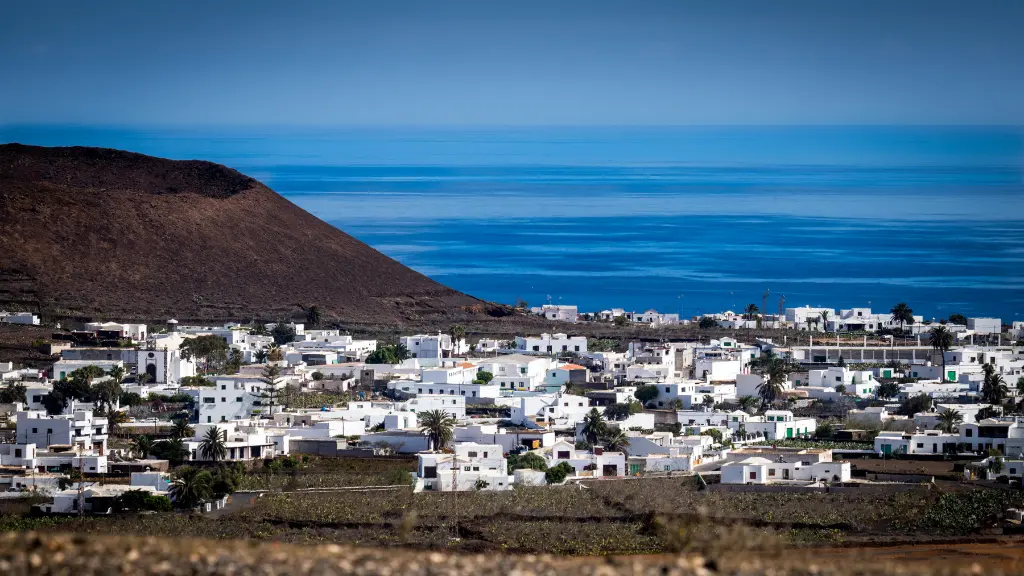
(529, 461)
(141, 500)
(646, 393)
(558, 474)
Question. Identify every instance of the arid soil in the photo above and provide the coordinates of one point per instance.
(28, 553)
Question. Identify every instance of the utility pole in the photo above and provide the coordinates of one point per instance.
(764, 305)
(782, 310)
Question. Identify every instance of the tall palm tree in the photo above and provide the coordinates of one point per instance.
(993, 388)
(942, 341)
(616, 441)
(212, 446)
(142, 446)
(750, 311)
(191, 486)
(181, 429)
(260, 356)
(114, 421)
(593, 426)
(1020, 385)
(949, 420)
(775, 371)
(824, 320)
(439, 427)
(903, 314)
(457, 332)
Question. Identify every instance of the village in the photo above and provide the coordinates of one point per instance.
(132, 417)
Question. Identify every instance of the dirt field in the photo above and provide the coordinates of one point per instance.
(1005, 555)
(939, 468)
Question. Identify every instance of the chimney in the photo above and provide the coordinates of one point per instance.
(598, 450)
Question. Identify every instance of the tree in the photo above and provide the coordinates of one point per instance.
(775, 371)
(209, 350)
(824, 320)
(825, 430)
(181, 429)
(314, 316)
(282, 334)
(456, 332)
(174, 451)
(993, 387)
(143, 378)
(55, 402)
(942, 341)
(620, 320)
(317, 376)
(749, 404)
(142, 446)
(888, 390)
(439, 427)
(914, 404)
(191, 486)
(260, 356)
(707, 322)
(115, 419)
(275, 354)
(622, 410)
(902, 314)
(615, 440)
(593, 426)
(268, 391)
(841, 362)
(709, 401)
(715, 435)
(484, 376)
(841, 388)
(559, 473)
(949, 420)
(196, 381)
(212, 446)
(12, 393)
(1020, 385)
(896, 366)
(645, 393)
(958, 319)
(529, 460)
(385, 354)
(750, 311)
(987, 412)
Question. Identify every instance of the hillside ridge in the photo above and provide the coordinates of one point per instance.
(93, 232)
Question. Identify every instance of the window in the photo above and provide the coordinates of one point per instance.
(208, 400)
(753, 475)
(209, 419)
(35, 431)
(536, 348)
(485, 454)
(970, 432)
(771, 471)
(466, 469)
(476, 468)
(17, 454)
(223, 399)
(839, 378)
(563, 454)
(37, 398)
(920, 444)
(577, 349)
(238, 399)
(666, 389)
(223, 386)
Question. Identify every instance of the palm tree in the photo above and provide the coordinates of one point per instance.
(457, 333)
(114, 421)
(191, 486)
(181, 429)
(775, 371)
(903, 314)
(1020, 385)
(615, 441)
(176, 451)
(439, 426)
(942, 341)
(993, 388)
(212, 446)
(142, 446)
(143, 378)
(748, 404)
(260, 356)
(593, 426)
(750, 311)
(314, 316)
(949, 420)
(824, 320)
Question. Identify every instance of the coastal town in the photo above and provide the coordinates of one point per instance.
(154, 417)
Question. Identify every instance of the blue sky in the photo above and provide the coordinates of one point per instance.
(528, 62)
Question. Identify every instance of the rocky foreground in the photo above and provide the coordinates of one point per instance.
(80, 555)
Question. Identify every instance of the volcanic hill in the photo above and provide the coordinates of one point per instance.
(100, 233)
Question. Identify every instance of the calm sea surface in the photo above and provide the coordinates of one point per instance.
(686, 220)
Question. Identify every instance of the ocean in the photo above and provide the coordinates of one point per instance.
(686, 220)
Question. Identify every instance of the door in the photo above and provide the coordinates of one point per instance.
(789, 432)
(887, 449)
(785, 474)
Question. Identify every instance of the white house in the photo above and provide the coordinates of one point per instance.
(472, 466)
(777, 425)
(859, 383)
(551, 344)
(243, 442)
(26, 318)
(596, 463)
(1003, 434)
(238, 398)
(758, 470)
(434, 345)
(985, 325)
(518, 371)
(928, 442)
(557, 312)
(507, 438)
(80, 429)
(134, 332)
(452, 404)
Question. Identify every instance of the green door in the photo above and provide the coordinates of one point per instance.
(887, 449)
(789, 432)
(886, 373)
(951, 375)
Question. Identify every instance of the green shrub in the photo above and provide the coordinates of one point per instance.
(558, 474)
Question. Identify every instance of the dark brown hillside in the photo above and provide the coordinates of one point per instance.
(87, 232)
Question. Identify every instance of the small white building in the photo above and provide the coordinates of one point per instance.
(471, 467)
(25, 318)
(434, 345)
(758, 470)
(985, 325)
(80, 429)
(551, 344)
(557, 312)
(594, 463)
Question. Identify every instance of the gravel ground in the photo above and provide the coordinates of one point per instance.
(82, 555)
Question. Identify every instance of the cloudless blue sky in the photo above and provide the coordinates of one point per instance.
(480, 62)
